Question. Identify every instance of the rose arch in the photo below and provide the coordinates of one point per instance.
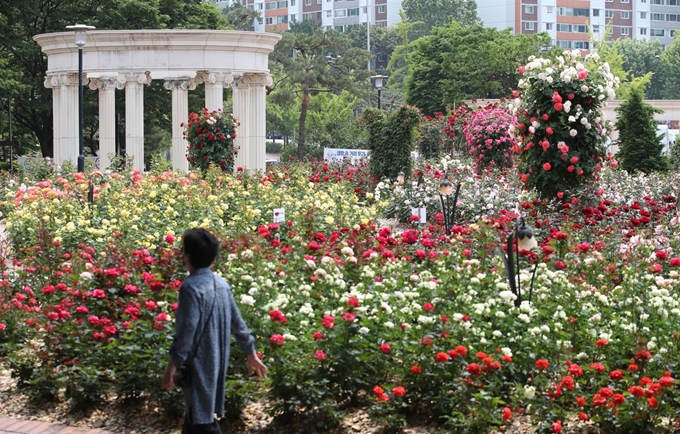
(130, 59)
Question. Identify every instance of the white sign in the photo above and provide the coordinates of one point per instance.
(339, 154)
(421, 213)
(279, 215)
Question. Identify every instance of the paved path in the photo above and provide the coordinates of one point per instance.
(14, 426)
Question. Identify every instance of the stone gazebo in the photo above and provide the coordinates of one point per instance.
(130, 59)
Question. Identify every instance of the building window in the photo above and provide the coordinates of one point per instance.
(282, 19)
(672, 33)
(643, 31)
(672, 2)
(596, 29)
(656, 17)
(573, 12)
(643, 15)
(318, 2)
(269, 20)
(672, 17)
(293, 18)
(341, 13)
(329, 14)
(625, 31)
(625, 15)
(563, 27)
(528, 10)
(259, 21)
(354, 12)
(292, 2)
(608, 14)
(564, 44)
(308, 2)
(528, 25)
(625, 1)
(580, 28)
(283, 4)
(596, 12)
(340, 28)
(657, 2)
(657, 32)
(381, 9)
(548, 9)
(582, 45)
(548, 26)
(609, 1)
(610, 30)
(306, 17)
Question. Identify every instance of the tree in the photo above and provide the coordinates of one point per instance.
(455, 63)
(311, 61)
(641, 57)
(397, 67)
(639, 141)
(435, 13)
(20, 21)
(670, 65)
(240, 17)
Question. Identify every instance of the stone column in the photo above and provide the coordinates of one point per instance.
(65, 117)
(180, 115)
(52, 82)
(107, 118)
(242, 102)
(215, 82)
(257, 121)
(134, 115)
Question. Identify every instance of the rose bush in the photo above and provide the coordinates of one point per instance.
(488, 138)
(349, 313)
(211, 137)
(561, 127)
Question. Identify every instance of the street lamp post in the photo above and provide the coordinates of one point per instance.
(379, 83)
(81, 39)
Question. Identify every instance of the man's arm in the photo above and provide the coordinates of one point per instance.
(245, 339)
(187, 316)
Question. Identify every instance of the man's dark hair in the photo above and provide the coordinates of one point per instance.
(201, 246)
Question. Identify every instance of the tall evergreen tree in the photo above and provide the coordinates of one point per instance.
(639, 142)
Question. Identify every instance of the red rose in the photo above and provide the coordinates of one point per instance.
(549, 131)
(546, 166)
(385, 348)
(398, 391)
(542, 364)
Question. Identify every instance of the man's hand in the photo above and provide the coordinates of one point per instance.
(255, 365)
(167, 382)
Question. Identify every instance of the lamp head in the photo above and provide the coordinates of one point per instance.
(379, 81)
(525, 235)
(81, 31)
(446, 188)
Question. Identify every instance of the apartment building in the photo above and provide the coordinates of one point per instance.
(567, 21)
(331, 14)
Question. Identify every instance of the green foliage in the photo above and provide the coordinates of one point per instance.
(641, 57)
(670, 65)
(398, 66)
(211, 137)
(311, 61)
(456, 63)
(390, 140)
(274, 147)
(240, 17)
(639, 141)
(431, 136)
(310, 151)
(674, 158)
(437, 13)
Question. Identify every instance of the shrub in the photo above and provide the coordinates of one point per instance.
(431, 136)
(639, 142)
(391, 140)
(487, 135)
(211, 137)
(561, 126)
(274, 147)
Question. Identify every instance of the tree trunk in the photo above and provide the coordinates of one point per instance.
(301, 126)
